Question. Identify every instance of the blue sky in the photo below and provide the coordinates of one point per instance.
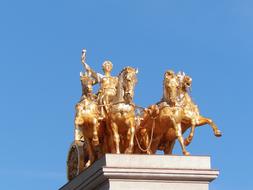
(40, 47)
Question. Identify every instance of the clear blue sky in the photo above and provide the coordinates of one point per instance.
(40, 47)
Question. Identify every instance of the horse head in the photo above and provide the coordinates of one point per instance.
(153, 111)
(187, 83)
(170, 87)
(128, 80)
(87, 83)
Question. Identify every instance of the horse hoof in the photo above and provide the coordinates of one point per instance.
(128, 151)
(218, 133)
(186, 153)
(88, 164)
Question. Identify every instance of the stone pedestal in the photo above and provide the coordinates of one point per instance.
(146, 172)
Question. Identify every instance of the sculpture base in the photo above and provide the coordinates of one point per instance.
(146, 172)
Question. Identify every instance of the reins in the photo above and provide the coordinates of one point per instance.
(151, 139)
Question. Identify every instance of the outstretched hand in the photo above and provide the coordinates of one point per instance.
(83, 59)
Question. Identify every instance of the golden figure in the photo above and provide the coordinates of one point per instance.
(107, 83)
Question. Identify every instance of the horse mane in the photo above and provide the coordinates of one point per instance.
(183, 89)
(128, 69)
(120, 91)
(165, 95)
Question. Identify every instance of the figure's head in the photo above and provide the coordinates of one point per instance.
(107, 66)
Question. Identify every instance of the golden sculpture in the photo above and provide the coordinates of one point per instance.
(166, 126)
(110, 122)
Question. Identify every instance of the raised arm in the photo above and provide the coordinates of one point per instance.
(90, 71)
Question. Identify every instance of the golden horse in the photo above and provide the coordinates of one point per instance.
(160, 130)
(190, 118)
(120, 119)
(145, 129)
(86, 120)
(191, 114)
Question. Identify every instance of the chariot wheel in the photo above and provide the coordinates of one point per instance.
(77, 159)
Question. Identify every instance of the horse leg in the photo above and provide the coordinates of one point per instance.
(169, 147)
(177, 127)
(142, 142)
(146, 142)
(111, 146)
(95, 139)
(90, 153)
(78, 127)
(154, 145)
(78, 132)
(116, 138)
(203, 120)
(188, 140)
(130, 139)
